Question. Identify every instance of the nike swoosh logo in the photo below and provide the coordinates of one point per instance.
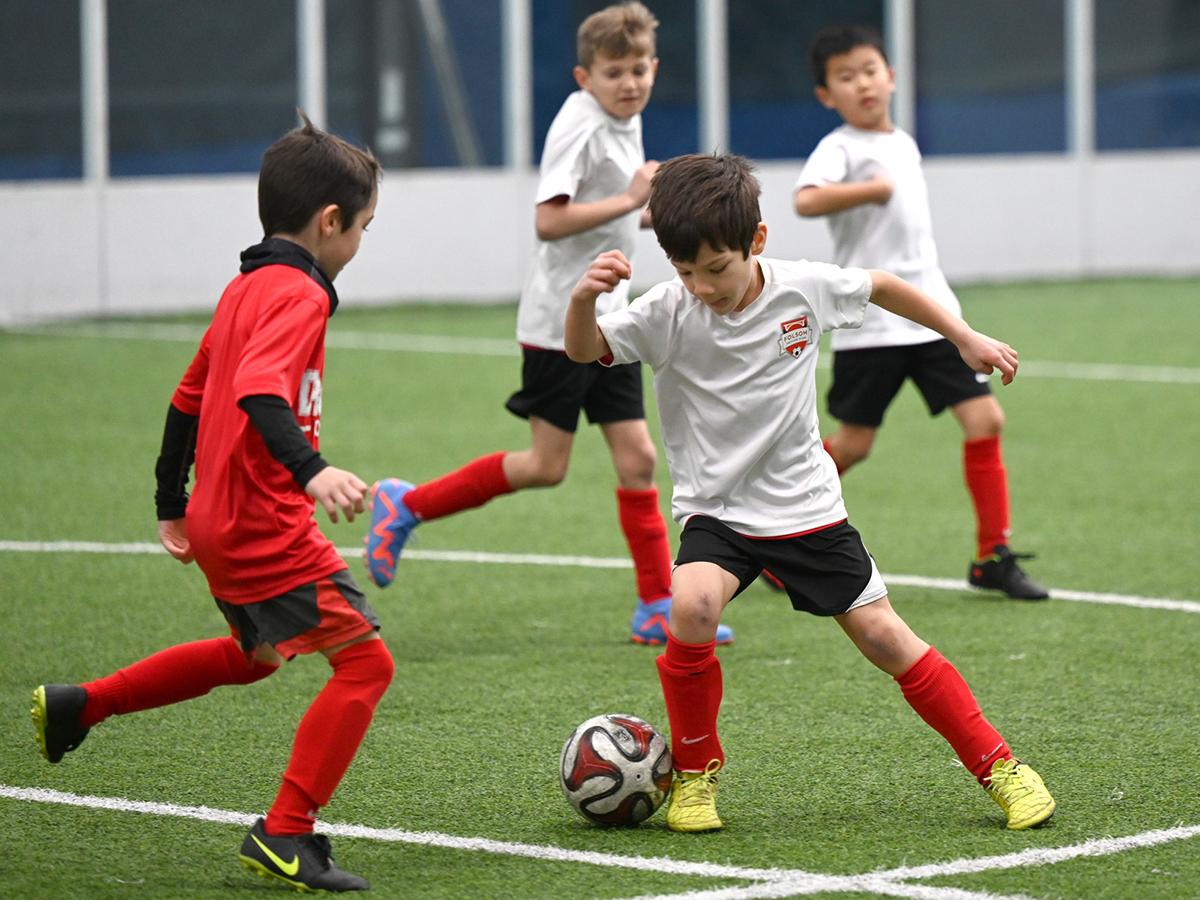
(287, 868)
(987, 755)
(693, 740)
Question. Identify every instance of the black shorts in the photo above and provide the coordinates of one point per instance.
(555, 389)
(826, 572)
(306, 619)
(866, 381)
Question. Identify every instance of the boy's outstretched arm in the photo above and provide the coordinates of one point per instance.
(980, 352)
(822, 200)
(583, 340)
(562, 217)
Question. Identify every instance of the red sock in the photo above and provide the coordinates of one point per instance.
(646, 535)
(825, 444)
(691, 683)
(169, 676)
(329, 735)
(473, 485)
(987, 481)
(942, 698)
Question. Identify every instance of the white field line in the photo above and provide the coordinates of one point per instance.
(1041, 856)
(597, 562)
(772, 882)
(433, 343)
(424, 838)
(865, 884)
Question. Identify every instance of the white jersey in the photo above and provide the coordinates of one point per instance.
(589, 155)
(896, 236)
(737, 394)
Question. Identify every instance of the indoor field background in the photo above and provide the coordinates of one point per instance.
(509, 626)
(1061, 141)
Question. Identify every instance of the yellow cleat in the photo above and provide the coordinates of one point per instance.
(1020, 792)
(693, 803)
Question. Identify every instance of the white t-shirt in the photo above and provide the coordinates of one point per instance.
(737, 394)
(589, 155)
(896, 236)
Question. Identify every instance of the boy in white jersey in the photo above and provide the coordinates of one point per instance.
(733, 345)
(866, 177)
(594, 184)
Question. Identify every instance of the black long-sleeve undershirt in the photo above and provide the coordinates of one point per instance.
(271, 417)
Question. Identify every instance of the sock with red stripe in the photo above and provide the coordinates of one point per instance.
(473, 485)
(825, 444)
(646, 534)
(691, 682)
(329, 735)
(170, 676)
(935, 689)
(987, 480)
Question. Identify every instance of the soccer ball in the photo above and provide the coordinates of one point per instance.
(615, 769)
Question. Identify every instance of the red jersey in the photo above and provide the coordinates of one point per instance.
(250, 524)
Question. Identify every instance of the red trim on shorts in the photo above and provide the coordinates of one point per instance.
(542, 349)
(784, 537)
(340, 622)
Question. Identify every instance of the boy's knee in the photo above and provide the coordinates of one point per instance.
(635, 468)
(699, 610)
(548, 473)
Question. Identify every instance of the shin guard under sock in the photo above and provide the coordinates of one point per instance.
(935, 689)
(691, 682)
(170, 676)
(473, 485)
(646, 534)
(987, 482)
(329, 735)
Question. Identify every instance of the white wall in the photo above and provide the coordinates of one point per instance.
(171, 244)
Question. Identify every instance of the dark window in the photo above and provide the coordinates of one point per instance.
(773, 113)
(199, 87)
(990, 77)
(1147, 74)
(41, 135)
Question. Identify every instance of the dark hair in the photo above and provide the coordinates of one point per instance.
(838, 40)
(710, 200)
(620, 30)
(308, 169)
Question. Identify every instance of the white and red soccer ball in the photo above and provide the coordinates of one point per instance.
(616, 769)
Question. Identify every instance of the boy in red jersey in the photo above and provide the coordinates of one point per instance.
(248, 413)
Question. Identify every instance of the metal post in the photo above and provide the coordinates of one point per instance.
(712, 73)
(900, 31)
(93, 29)
(1081, 77)
(310, 45)
(518, 84)
(454, 98)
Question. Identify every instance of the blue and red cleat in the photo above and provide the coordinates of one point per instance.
(391, 524)
(649, 625)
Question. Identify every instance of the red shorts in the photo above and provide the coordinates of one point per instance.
(306, 619)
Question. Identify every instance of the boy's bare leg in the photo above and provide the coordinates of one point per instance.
(883, 637)
(850, 444)
(633, 453)
(545, 463)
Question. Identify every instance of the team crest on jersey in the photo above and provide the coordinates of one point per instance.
(795, 336)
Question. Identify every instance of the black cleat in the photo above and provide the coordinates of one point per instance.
(304, 862)
(55, 711)
(1000, 572)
